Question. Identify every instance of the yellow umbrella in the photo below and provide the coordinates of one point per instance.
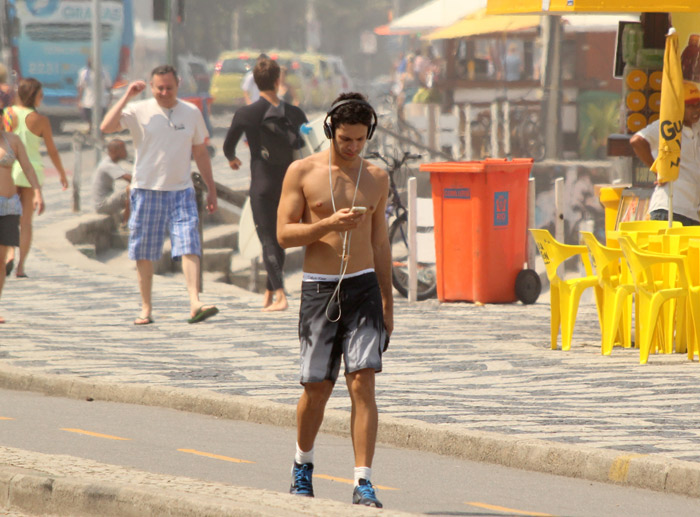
(668, 161)
(589, 6)
(481, 23)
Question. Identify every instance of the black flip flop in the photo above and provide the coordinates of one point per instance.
(143, 321)
(203, 314)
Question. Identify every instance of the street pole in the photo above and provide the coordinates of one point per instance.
(172, 9)
(235, 26)
(551, 85)
(97, 75)
(5, 41)
(395, 9)
(312, 29)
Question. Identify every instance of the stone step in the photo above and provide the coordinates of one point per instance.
(226, 213)
(92, 229)
(217, 260)
(223, 236)
(251, 275)
(214, 260)
(220, 236)
(94, 234)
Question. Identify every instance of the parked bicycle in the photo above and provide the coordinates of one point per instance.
(526, 135)
(397, 219)
(393, 129)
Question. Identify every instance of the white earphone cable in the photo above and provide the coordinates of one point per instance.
(347, 235)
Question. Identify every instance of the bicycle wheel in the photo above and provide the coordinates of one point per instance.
(400, 178)
(532, 139)
(427, 276)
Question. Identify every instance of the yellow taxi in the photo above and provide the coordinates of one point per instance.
(290, 60)
(229, 70)
(326, 77)
(316, 72)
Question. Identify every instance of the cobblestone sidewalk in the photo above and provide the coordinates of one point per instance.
(469, 367)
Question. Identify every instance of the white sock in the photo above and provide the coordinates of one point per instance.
(362, 473)
(302, 457)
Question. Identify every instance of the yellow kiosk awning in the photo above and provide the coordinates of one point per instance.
(482, 23)
(590, 6)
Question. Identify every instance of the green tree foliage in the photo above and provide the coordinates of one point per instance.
(600, 120)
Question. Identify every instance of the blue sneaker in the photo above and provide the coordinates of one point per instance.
(301, 479)
(364, 494)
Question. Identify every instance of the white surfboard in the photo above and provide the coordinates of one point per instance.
(248, 243)
(314, 139)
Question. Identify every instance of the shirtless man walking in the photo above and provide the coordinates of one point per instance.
(346, 302)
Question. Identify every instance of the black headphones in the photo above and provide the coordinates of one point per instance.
(328, 129)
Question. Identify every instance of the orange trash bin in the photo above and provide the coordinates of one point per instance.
(480, 213)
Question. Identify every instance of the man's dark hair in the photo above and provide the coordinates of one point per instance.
(265, 73)
(351, 113)
(165, 70)
(115, 144)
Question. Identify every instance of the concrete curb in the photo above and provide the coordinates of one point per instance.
(40, 494)
(653, 472)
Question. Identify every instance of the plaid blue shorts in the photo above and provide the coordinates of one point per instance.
(154, 211)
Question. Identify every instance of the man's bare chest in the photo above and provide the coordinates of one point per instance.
(326, 197)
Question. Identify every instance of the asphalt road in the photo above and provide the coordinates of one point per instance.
(243, 454)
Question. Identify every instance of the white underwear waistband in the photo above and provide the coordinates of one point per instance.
(318, 277)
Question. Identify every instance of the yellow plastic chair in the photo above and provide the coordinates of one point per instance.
(666, 277)
(675, 241)
(689, 231)
(651, 293)
(645, 226)
(692, 327)
(681, 236)
(565, 294)
(616, 320)
(639, 231)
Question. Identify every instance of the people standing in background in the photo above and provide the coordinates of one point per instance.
(251, 93)
(6, 93)
(32, 128)
(87, 96)
(286, 91)
(11, 151)
(686, 188)
(690, 59)
(106, 198)
(408, 86)
(420, 64)
(513, 64)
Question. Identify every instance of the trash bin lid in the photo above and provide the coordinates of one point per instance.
(487, 165)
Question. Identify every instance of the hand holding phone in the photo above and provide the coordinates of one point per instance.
(358, 209)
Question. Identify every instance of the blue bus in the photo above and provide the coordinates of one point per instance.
(52, 39)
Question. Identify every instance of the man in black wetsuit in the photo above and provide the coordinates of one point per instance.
(266, 175)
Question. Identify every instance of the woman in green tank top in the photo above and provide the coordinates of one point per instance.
(31, 127)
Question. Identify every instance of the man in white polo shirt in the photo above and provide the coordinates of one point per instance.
(686, 189)
(167, 133)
